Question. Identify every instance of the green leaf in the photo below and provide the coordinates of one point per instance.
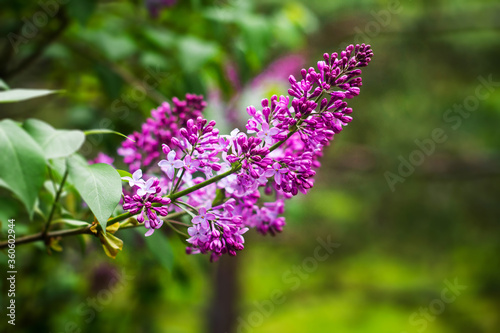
(106, 131)
(3, 85)
(17, 95)
(161, 249)
(98, 184)
(194, 53)
(22, 165)
(220, 195)
(55, 143)
(81, 10)
(8, 210)
(73, 223)
(58, 166)
(124, 173)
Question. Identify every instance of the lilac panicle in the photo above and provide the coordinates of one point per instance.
(276, 157)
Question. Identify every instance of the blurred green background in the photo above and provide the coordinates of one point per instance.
(403, 236)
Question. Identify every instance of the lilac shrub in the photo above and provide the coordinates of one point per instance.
(231, 183)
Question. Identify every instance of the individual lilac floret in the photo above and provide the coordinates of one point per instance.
(276, 170)
(191, 164)
(136, 179)
(170, 164)
(267, 134)
(148, 188)
(203, 218)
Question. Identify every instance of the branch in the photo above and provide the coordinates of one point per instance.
(40, 236)
(78, 231)
(49, 39)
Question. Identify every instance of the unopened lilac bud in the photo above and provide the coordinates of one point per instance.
(251, 110)
(215, 167)
(165, 149)
(175, 142)
(266, 112)
(303, 72)
(326, 56)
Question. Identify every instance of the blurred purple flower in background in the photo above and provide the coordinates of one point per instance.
(155, 6)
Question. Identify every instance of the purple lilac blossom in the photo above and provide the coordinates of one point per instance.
(142, 203)
(155, 6)
(274, 160)
(102, 158)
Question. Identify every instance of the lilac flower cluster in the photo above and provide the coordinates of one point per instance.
(142, 202)
(163, 125)
(217, 230)
(274, 158)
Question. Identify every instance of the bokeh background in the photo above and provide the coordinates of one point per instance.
(403, 234)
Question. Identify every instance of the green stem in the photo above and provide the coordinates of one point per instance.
(169, 223)
(187, 205)
(207, 182)
(56, 199)
(77, 231)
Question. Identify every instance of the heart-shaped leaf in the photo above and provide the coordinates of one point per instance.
(98, 184)
(22, 165)
(55, 143)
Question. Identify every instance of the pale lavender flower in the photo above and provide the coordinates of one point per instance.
(190, 164)
(136, 179)
(266, 134)
(276, 171)
(170, 164)
(203, 218)
(147, 188)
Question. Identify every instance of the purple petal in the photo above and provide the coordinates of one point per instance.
(171, 156)
(148, 184)
(277, 178)
(273, 131)
(170, 172)
(205, 224)
(137, 174)
(269, 173)
(192, 231)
